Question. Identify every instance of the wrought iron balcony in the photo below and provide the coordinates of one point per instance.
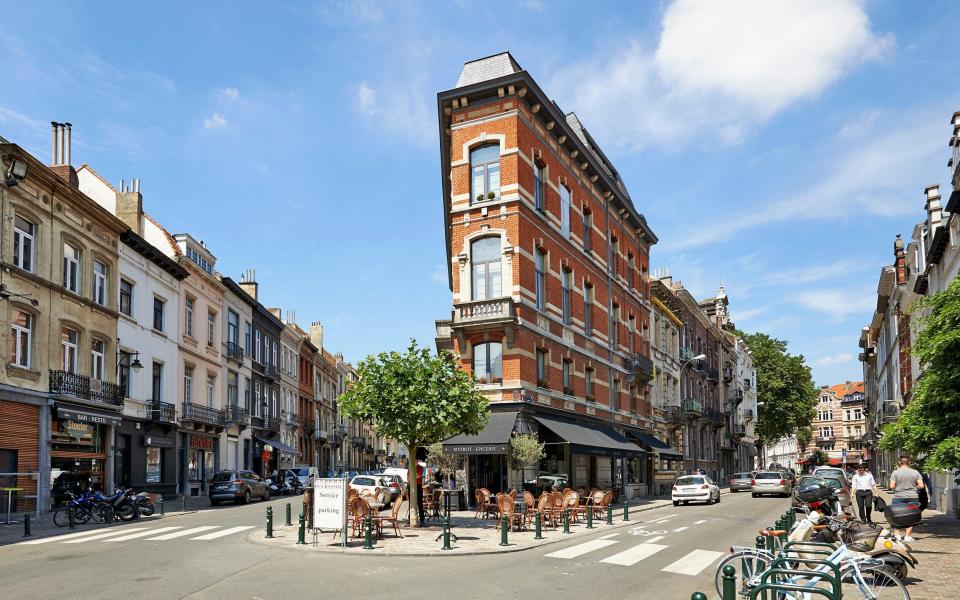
(271, 371)
(737, 396)
(308, 425)
(163, 412)
(65, 383)
(728, 408)
(674, 414)
(728, 374)
(234, 351)
(196, 413)
(740, 429)
(692, 407)
(714, 416)
(234, 413)
(271, 424)
(358, 440)
(639, 366)
(710, 371)
(686, 353)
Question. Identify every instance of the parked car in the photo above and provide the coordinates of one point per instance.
(372, 484)
(238, 486)
(740, 482)
(305, 474)
(395, 485)
(770, 482)
(829, 472)
(695, 488)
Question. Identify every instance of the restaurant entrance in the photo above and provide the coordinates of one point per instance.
(488, 471)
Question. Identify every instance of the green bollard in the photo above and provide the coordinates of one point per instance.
(288, 515)
(761, 543)
(183, 504)
(729, 583)
(26, 524)
(269, 522)
(609, 515)
(368, 533)
(589, 517)
(503, 531)
(626, 512)
(566, 520)
(446, 534)
(71, 520)
(698, 596)
(160, 505)
(538, 534)
(769, 538)
(302, 531)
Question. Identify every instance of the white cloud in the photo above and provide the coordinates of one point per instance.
(228, 93)
(366, 98)
(748, 314)
(215, 121)
(720, 68)
(860, 126)
(830, 270)
(400, 109)
(833, 359)
(838, 303)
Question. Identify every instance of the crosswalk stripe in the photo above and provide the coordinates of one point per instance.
(177, 534)
(679, 529)
(661, 519)
(103, 535)
(134, 536)
(653, 540)
(608, 536)
(57, 538)
(225, 532)
(693, 562)
(634, 555)
(574, 551)
(701, 521)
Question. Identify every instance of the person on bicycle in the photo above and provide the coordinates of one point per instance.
(905, 483)
(865, 487)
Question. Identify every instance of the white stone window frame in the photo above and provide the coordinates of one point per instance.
(20, 237)
(100, 280)
(71, 266)
(98, 359)
(69, 350)
(18, 334)
(466, 263)
(484, 139)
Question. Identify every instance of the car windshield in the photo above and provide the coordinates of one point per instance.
(768, 476)
(833, 482)
(301, 472)
(223, 476)
(690, 481)
(741, 476)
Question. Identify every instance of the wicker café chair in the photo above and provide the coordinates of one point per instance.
(600, 508)
(515, 520)
(556, 506)
(481, 500)
(393, 520)
(543, 508)
(490, 507)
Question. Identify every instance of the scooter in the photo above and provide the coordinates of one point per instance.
(143, 503)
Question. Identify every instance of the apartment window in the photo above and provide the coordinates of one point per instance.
(587, 309)
(615, 395)
(69, 340)
(485, 169)
(614, 326)
(487, 362)
(540, 259)
(857, 414)
(539, 187)
(565, 278)
(158, 305)
(630, 282)
(247, 328)
(21, 339)
(485, 260)
(71, 268)
(246, 394)
(232, 393)
(211, 386)
(567, 383)
(565, 211)
(24, 233)
(274, 362)
(612, 255)
(258, 398)
(156, 382)
(187, 384)
(259, 355)
(126, 297)
(233, 327)
(588, 383)
(99, 283)
(188, 316)
(211, 327)
(587, 229)
(97, 351)
(123, 372)
(541, 368)
(631, 324)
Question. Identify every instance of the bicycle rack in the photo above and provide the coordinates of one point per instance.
(832, 578)
(784, 587)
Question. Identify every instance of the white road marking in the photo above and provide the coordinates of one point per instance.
(225, 532)
(574, 551)
(679, 529)
(608, 536)
(103, 535)
(700, 522)
(660, 519)
(177, 534)
(633, 555)
(693, 563)
(134, 536)
(68, 536)
(653, 540)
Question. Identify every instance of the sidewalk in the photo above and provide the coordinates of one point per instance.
(937, 548)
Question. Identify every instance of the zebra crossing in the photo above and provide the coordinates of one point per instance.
(203, 533)
(692, 563)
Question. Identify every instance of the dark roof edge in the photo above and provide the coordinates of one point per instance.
(153, 254)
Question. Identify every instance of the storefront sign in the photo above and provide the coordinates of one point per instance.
(476, 448)
(329, 503)
(75, 429)
(202, 443)
(83, 416)
(158, 442)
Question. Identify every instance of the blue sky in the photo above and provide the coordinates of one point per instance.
(775, 148)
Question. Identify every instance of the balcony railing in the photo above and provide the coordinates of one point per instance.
(737, 396)
(740, 430)
(728, 374)
(234, 413)
(271, 424)
(713, 415)
(358, 440)
(481, 311)
(234, 351)
(692, 407)
(675, 414)
(320, 434)
(686, 353)
(207, 415)
(711, 372)
(308, 425)
(271, 371)
(65, 383)
(639, 366)
(163, 412)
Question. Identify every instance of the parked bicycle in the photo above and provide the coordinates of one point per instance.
(82, 509)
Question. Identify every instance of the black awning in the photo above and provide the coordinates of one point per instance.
(590, 439)
(494, 439)
(663, 449)
(85, 414)
(279, 446)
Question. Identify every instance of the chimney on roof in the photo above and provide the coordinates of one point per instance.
(316, 334)
(60, 155)
(932, 193)
(900, 261)
(130, 205)
(248, 283)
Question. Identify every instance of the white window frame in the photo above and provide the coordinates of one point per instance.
(100, 283)
(188, 304)
(19, 335)
(97, 358)
(211, 389)
(211, 328)
(68, 350)
(187, 384)
(24, 244)
(71, 268)
(258, 350)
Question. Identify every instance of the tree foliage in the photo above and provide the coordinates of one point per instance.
(804, 435)
(525, 449)
(416, 398)
(929, 426)
(784, 386)
(447, 463)
(818, 457)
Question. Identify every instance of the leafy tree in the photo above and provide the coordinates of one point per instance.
(929, 426)
(525, 449)
(416, 398)
(784, 386)
(804, 435)
(818, 457)
(447, 463)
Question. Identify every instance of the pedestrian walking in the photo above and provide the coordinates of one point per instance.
(864, 486)
(905, 483)
(420, 469)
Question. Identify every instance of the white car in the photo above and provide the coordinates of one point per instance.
(695, 487)
(374, 484)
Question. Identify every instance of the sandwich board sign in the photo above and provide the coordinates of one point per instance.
(330, 504)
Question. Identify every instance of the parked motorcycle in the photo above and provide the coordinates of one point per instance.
(143, 503)
(123, 506)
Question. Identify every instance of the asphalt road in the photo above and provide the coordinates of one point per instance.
(670, 553)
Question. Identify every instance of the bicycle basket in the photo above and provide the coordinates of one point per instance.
(862, 537)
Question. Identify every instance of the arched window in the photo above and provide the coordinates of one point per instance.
(487, 362)
(485, 172)
(485, 260)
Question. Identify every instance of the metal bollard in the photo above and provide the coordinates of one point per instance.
(698, 596)
(503, 531)
(26, 524)
(609, 515)
(729, 583)
(368, 533)
(269, 522)
(589, 517)
(761, 543)
(183, 504)
(566, 520)
(769, 538)
(71, 520)
(302, 531)
(626, 512)
(538, 534)
(446, 534)
(160, 505)
(288, 515)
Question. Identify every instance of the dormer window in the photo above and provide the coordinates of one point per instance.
(200, 261)
(485, 172)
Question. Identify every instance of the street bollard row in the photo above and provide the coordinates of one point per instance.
(729, 586)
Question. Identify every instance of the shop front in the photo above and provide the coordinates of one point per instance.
(275, 455)
(199, 460)
(80, 442)
(660, 467)
(486, 453)
(144, 458)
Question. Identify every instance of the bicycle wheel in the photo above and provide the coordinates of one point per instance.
(874, 583)
(60, 516)
(103, 513)
(748, 563)
(83, 513)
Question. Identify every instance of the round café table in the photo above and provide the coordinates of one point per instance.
(10, 491)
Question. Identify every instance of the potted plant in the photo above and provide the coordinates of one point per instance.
(525, 449)
(491, 195)
(479, 197)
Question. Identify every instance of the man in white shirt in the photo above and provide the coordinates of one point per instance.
(864, 487)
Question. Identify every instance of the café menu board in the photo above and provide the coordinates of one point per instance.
(329, 503)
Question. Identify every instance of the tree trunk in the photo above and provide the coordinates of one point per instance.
(412, 491)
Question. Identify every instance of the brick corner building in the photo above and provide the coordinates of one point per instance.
(548, 266)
